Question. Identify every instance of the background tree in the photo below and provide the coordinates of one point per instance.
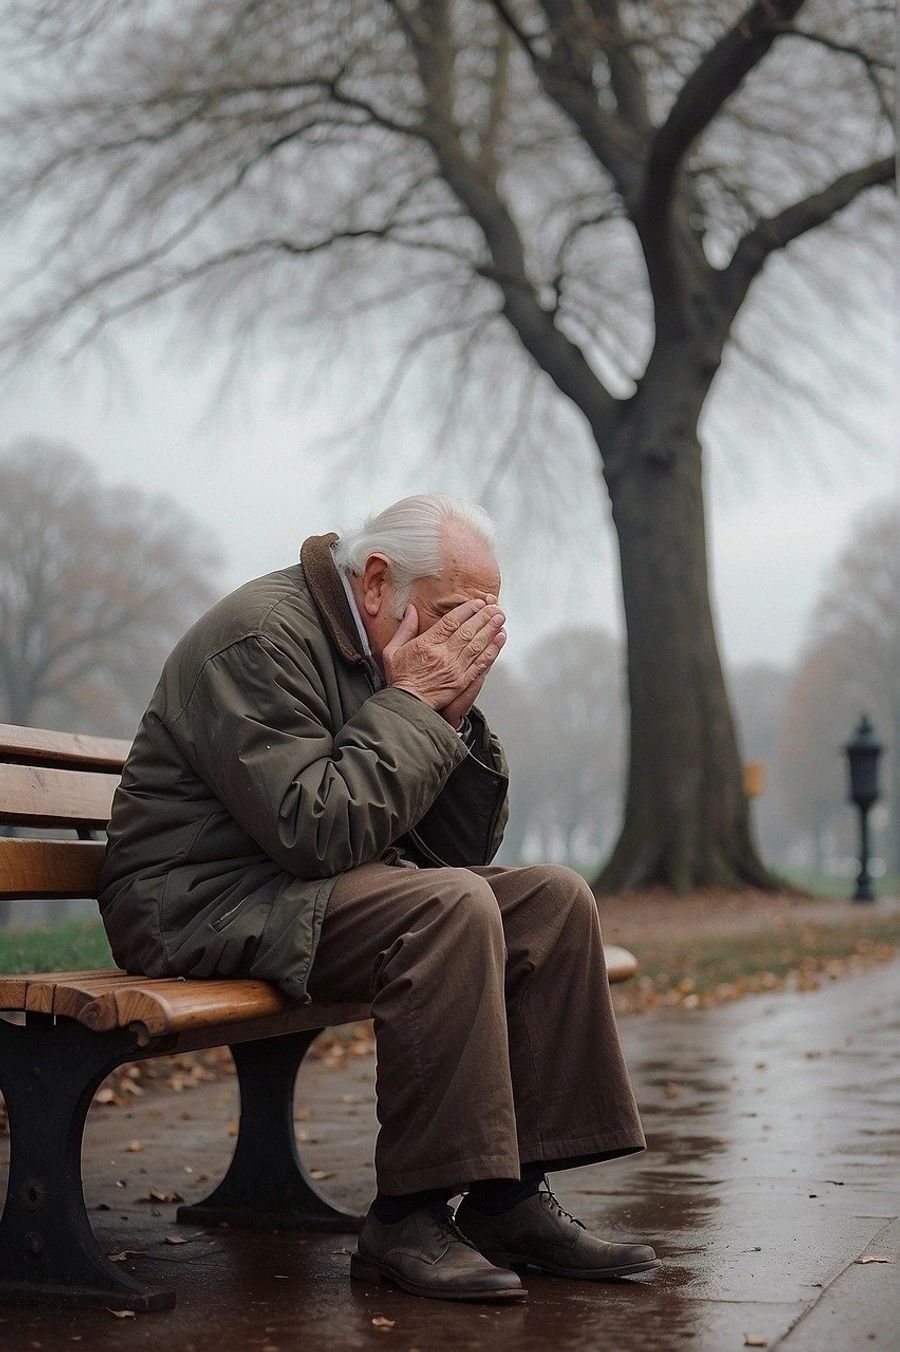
(854, 660)
(578, 741)
(759, 691)
(810, 775)
(595, 184)
(96, 585)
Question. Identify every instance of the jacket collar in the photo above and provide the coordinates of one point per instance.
(327, 591)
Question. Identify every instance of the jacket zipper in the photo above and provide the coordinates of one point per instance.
(494, 817)
(222, 919)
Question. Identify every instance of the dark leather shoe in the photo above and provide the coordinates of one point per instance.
(425, 1255)
(539, 1233)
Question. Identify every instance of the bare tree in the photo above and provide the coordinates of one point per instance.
(96, 583)
(858, 617)
(759, 691)
(578, 738)
(595, 185)
(809, 773)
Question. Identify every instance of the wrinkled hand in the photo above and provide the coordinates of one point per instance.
(446, 665)
(456, 710)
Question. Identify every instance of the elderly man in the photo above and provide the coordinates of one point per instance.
(314, 798)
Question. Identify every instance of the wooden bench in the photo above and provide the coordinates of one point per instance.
(69, 1030)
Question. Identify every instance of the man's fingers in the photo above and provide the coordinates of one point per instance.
(448, 625)
(475, 626)
(483, 636)
(480, 662)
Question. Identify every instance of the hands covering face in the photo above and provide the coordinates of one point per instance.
(446, 666)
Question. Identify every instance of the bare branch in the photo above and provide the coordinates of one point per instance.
(718, 75)
(776, 232)
(625, 75)
(566, 78)
(871, 64)
(702, 95)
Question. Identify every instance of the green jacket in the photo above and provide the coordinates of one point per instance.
(267, 764)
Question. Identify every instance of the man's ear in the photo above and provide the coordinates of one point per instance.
(376, 575)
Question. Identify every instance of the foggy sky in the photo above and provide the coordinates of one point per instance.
(252, 473)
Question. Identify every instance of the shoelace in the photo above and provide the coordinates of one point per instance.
(445, 1227)
(556, 1205)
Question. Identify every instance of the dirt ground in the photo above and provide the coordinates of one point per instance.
(629, 917)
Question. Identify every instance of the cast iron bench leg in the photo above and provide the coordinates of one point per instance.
(266, 1186)
(50, 1068)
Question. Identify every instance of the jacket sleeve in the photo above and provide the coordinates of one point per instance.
(318, 802)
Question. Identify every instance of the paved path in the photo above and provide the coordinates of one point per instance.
(770, 1123)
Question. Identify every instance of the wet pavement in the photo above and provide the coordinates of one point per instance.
(771, 1171)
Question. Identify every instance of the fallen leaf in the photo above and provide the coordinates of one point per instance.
(135, 1146)
(154, 1195)
(319, 1174)
(176, 1239)
(755, 1340)
(380, 1322)
(874, 1258)
(121, 1314)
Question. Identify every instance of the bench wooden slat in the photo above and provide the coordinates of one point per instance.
(158, 1006)
(49, 868)
(68, 998)
(34, 990)
(620, 964)
(40, 796)
(167, 1005)
(176, 1007)
(40, 746)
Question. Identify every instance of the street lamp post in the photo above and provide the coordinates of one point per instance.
(862, 757)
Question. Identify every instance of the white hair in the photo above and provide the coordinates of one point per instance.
(410, 534)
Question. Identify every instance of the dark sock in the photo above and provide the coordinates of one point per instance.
(390, 1207)
(492, 1196)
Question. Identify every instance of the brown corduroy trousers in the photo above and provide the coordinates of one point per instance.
(496, 1041)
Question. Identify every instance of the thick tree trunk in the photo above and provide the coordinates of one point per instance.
(686, 821)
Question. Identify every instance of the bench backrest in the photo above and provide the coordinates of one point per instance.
(58, 780)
